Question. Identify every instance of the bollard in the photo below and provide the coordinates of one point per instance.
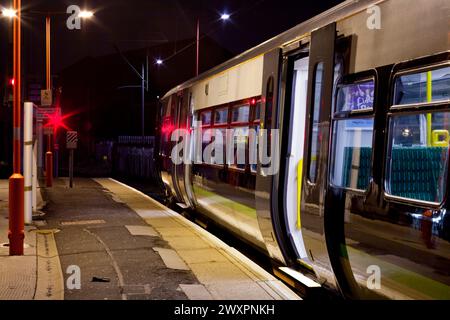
(49, 169)
(16, 233)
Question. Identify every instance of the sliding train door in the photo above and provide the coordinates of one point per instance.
(313, 214)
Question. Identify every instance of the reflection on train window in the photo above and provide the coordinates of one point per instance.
(352, 153)
(429, 86)
(221, 116)
(240, 140)
(356, 97)
(315, 137)
(418, 156)
(206, 118)
(241, 114)
(219, 139)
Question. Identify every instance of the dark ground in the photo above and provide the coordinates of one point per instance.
(144, 274)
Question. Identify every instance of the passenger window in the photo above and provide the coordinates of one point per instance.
(315, 137)
(206, 118)
(422, 87)
(352, 153)
(355, 97)
(353, 136)
(221, 116)
(418, 166)
(241, 114)
(240, 141)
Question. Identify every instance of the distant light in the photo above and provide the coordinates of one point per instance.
(12, 82)
(85, 14)
(225, 16)
(159, 62)
(9, 13)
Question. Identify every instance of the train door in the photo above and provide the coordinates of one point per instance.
(182, 122)
(315, 165)
(297, 70)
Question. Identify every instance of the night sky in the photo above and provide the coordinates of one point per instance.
(141, 23)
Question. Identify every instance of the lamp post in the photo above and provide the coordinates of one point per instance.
(16, 181)
(223, 17)
(49, 155)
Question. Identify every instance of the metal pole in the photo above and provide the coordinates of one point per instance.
(28, 161)
(16, 233)
(48, 52)
(143, 102)
(198, 48)
(49, 154)
(71, 168)
(40, 147)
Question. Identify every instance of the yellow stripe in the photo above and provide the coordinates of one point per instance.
(429, 116)
(299, 193)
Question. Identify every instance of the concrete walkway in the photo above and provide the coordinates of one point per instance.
(17, 274)
(103, 240)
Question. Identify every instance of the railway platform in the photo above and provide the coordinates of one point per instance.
(103, 240)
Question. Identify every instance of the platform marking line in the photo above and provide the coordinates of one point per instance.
(114, 263)
(82, 222)
(50, 280)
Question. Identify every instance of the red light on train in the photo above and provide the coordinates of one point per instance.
(253, 102)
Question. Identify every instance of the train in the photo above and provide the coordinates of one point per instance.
(338, 131)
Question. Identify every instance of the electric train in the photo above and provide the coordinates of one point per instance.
(359, 97)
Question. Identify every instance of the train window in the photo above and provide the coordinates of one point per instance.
(418, 158)
(241, 114)
(221, 116)
(240, 140)
(355, 97)
(422, 87)
(352, 153)
(315, 135)
(258, 111)
(205, 118)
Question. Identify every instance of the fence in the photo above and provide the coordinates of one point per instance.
(134, 157)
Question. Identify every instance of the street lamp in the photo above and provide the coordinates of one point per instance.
(85, 14)
(9, 13)
(159, 62)
(223, 17)
(49, 155)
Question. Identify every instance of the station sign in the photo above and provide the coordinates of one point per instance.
(46, 98)
(72, 140)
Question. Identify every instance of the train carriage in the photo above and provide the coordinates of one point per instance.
(359, 99)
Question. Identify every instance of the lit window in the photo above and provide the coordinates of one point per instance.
(355, 97)
(428, 86)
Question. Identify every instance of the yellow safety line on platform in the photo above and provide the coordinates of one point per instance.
(50, 280)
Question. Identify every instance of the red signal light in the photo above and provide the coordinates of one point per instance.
(12, 82)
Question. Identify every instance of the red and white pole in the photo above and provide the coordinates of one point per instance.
(16, 233)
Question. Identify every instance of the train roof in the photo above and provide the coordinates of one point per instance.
(334, 14)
